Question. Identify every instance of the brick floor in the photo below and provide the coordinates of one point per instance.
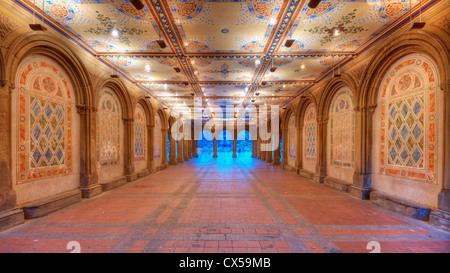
(226, 205)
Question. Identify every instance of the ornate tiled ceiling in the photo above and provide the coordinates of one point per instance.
(228, 52)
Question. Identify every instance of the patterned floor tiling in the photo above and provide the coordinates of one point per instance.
(208, 205)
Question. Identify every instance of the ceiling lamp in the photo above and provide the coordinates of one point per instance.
(313, 4)
(416, 25)
(177, 69)
(272, 67)
(137, 4)
(114, 33)
(289, 42)
(38, 27)
(147, 68)
(161, 43)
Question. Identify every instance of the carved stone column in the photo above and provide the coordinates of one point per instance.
(441, 217)
(276, 153)
(234, 142)
(164, 147)
(321, 165)
(298, 149)
(180, 151)
(151, 148)
(254, 152)
(215, 148)
(362, 178)
(89, 185)
(185, 149)
(189, 149)
(263, 153)
(9, 215)
(128, 128)
(173, 150)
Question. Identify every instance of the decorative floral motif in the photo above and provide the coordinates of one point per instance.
(341, 24)
(125, 33)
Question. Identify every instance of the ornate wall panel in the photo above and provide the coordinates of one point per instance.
(140, 134)
(109, 118)
(409, 118)
(157, 139)
(44, 126)
(310, 133)
(292, 133)
(342, 129)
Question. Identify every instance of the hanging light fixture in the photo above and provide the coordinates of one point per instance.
(416, 25)
(38, 27)
(160, 42)
(313, 3)
(137, 4)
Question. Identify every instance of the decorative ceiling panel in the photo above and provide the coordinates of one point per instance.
(221, 47)
(225, 69)
(142, 68)
(225, 26)
(343, 25)
(307, 67)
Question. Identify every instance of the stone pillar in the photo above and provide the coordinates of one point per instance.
(180, 151)
(234, 142)
(173, 150)
(441, 217)
(215, 148)
(195, 142)
(89, 185)
(258, 148)
(128, 128)
(254, 151)
(164, 147)
(276, 153)
(151, 149)
(298, 149)
(321, 165)
(9, 215)
(362, 178)
(285, 150)
(185, 150)
(263, 153)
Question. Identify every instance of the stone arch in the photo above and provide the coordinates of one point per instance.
(57, 50)
(396, 48)
(333, 86)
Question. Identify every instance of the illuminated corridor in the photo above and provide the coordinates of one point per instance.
(224, 205)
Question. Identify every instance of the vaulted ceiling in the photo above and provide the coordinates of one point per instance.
(224, 49)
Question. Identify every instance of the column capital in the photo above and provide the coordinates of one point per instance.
(128, 120)
(84, 109)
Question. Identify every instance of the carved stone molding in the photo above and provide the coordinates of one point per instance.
(6, 25)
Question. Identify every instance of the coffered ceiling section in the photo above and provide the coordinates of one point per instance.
(227, 52)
